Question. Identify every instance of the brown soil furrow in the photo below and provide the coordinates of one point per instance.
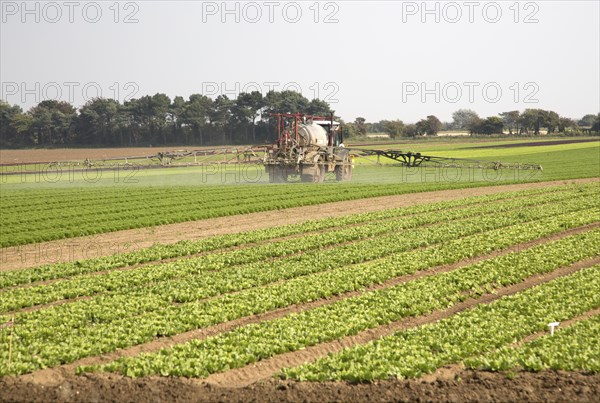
(466, 386)
(166, 342)
(267, 368)
(129, 240)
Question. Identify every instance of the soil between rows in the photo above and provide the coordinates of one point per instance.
(130, 240)
(466, 386)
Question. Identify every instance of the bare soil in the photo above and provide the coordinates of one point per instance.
(129, 240)
(466, 386)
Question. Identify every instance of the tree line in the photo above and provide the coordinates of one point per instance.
(528, 122)
(153, 120)
(200, 120)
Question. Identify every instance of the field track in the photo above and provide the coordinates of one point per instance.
(129, 240)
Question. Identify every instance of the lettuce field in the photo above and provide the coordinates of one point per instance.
(259, 291)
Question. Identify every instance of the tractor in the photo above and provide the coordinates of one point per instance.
(309, 146)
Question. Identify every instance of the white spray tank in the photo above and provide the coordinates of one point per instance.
(312, 135)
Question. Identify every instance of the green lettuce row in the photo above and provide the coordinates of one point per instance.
(260, 198)
(102, 310)
(248, 344)
(42, 219)
(47, 338)
(234, 279)
(186, 248)
(422, 350)
(84, 199)
(149, 296)
(366, 228)
(75, 222)
(575, 348)
(179, 282)
(88, 208)
(127, 280)
(22, 201)
(196, 206)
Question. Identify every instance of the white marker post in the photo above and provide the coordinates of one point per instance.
(552, 326)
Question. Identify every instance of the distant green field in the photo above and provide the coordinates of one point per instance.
(63, 203)
(561, 161)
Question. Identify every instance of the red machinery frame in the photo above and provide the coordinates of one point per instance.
(283, 134)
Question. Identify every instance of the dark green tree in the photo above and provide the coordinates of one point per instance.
(52, 122)
(97, 122)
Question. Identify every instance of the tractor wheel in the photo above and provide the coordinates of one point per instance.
(319, 172)
(307, 173)
(343, 172)
(312, 173)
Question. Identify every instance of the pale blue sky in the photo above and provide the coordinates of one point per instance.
(371, 62)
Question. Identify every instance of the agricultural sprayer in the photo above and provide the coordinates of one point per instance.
(307, 146)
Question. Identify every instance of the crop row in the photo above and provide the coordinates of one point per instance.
(200, 205)
(167, 204)
(253, 275)
(41, 218)
(259, 272)
(25, 200)
(35, 198)
(181, 282)
(142, 210)
(82, 219)
(56, 335)
(576, 348)
(186, 248)
(422, 350)
(248, 344)
(104, 309)
(212, 244)
(84, 199)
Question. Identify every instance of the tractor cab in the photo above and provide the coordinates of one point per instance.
(333, 127)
